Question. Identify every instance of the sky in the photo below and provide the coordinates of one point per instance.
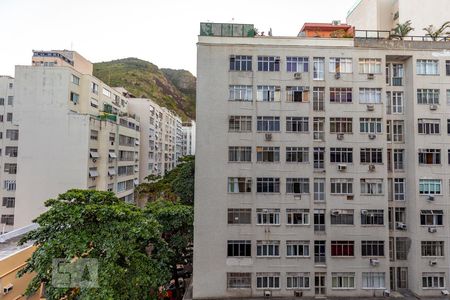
(163, 32)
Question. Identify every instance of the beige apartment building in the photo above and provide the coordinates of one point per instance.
(322, 166)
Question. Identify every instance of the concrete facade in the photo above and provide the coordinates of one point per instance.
(189, 129)
(292, 215)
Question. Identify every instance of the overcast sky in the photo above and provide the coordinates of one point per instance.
(163, 32)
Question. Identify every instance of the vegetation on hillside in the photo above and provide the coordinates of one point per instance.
(174, 89)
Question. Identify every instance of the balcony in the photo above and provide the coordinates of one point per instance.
(397, 81)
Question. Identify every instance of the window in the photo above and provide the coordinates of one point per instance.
(371, 186)
(74, 97)
(318, 99)
(94, 103)
(373, 280)
(268, 93)
(9, 117)
(319, 189)
(431, 217)
(267, 248)
(341, 155)
(372, 217)
(345, 280)
(268, 154)
(239, 185)
(432, 248)
(239, 216)
(433, 280)
(239, 248)
(267, 216)
(447, 67)
(430, 186)
(240, 123)
(106, 92)
(396, 104)
(340, 65)
(319, 220)
(127, 140)
(239, 280)
(319, 157)
(429, 126)
(268, 124)
(240, 63)
(372, 248)
(297, 281)
(297, 64)
(297, 94)
(319, 128)
(318, 68)
(369, 65)
(94, 134)
(319, 249)
(10, 100)
(7, 220)
(241, 93)
(75, 80)
(343, 186)
(239, 154)
(370, 95)
(342, 248)
(371, 155)
(297, 124)
(9, 185)
(2, 101)
(297, 154)
(342, 216)
(427, 96)
(341, 125)
(370, 125)
(427, 67)
(11, 168)
(94, 88)
(9, 202)
(399, 157)
(297, 248)
(341, 95)
(267, 185)
(269, 63)
(267, 280)
(399, 189)
(297, 216)
(297, 185)
(430, 156)
(397, 134)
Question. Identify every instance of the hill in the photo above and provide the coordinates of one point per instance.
(174, 89)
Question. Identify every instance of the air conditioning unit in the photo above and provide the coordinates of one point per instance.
(268, 136)
(386, 293)
(364, 212)
(267, 293)
(445, 292)
(297, 197)
(342, 167)
(297, 75)
(432, 229)
(334, 212)
(7, 288)
(232, 56)
(350, 197)
(277, 89)
(370, 76)
(433, 262)
(374, 262)
(430, 198)
(433, 107)
(306, 88)
(298, 293)
(400, 225)
(277, 58)
(370, 107)
(371, 168)
(372, 136)
(340, 136)
(337, 75)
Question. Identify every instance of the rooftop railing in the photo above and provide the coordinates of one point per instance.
(227, 29)
(385, 34)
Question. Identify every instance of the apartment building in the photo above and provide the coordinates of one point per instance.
(188, 144)
(76, 132)
(8, 153)
(321, 166)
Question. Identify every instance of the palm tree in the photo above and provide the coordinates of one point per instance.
(402, 30)
(434, 33)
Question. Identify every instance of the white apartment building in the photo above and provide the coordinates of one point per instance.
(322, 166)
(188, 138)
(8, 153)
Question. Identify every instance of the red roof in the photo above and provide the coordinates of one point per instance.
(324, 26)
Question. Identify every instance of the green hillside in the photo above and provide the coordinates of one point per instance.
(174, 89)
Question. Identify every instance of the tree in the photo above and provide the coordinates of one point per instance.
(402, 30)
(176, 220)
(435, 33)
(97, 225)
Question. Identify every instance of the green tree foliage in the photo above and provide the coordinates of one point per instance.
(97, 225)
(402, 30)
(177, 184)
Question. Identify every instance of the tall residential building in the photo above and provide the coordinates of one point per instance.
(322, 166)
(8, 153)
(188, 147)
(75, 132)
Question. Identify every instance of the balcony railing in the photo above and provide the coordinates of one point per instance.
(385, 34)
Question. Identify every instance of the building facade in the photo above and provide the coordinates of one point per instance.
(322, 166)
(188, 145)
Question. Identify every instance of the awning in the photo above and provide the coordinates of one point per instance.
(94, 154)
(136, 169)
(111, 172)
(93, 173)
(112, 155)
